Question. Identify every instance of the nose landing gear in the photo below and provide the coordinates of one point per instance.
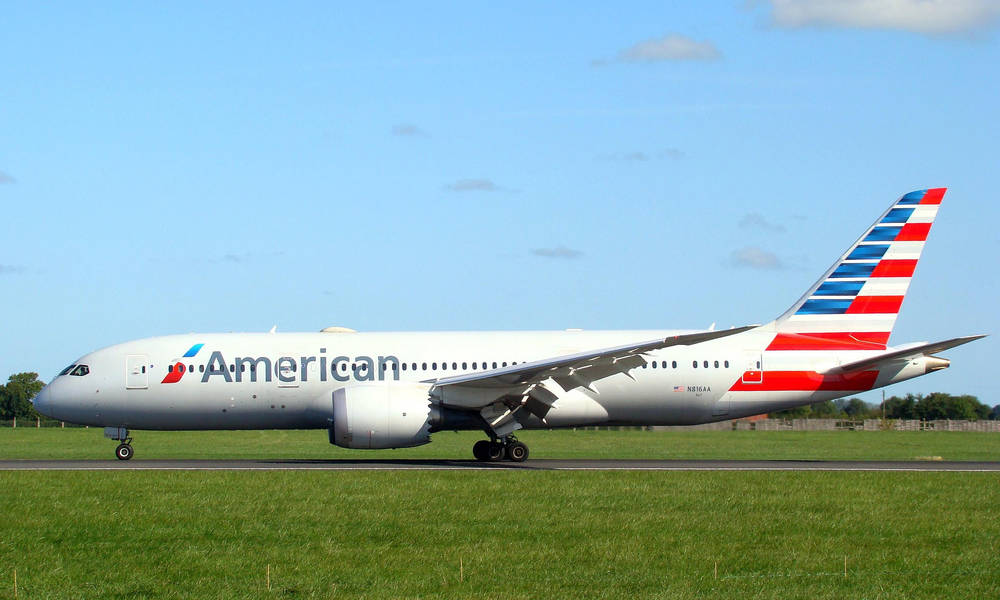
(124, 449)
(499, 449)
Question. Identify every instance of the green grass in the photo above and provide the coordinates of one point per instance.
(516, 534)
(67, 443)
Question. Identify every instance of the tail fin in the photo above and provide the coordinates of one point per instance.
(854, 305)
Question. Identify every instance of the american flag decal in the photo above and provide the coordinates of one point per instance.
(678, 388)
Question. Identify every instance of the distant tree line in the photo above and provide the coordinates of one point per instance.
(937, 405)
(16, 395)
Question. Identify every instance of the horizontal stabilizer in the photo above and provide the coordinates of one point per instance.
(903, 354)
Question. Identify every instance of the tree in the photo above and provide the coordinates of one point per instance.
(821, 410)
(901, 408)
(937, 405)
(995, 413)
(856, 408)
(16, 395)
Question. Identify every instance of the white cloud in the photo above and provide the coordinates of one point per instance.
(670, 47)
(473, 185)
(557, 252)
(755, 220)
(919, 16)
(753, 257)
(408, 130)
(641, 156)
(667, 48)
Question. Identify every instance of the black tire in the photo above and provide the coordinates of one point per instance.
(497, 451)
(517, 452)
(481, 450)
(123, 452)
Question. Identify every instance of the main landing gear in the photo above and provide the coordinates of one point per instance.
(124, 449)
(499, 449)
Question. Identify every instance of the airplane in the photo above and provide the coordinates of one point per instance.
(394, 390)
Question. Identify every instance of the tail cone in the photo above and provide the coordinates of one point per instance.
(933, 363)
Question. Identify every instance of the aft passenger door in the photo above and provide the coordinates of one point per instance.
(136, 372)
(753, 371)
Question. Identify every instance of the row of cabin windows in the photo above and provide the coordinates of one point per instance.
(363, 366)
(293, 366)
(694, 364)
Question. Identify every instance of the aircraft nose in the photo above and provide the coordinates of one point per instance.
(43, 401)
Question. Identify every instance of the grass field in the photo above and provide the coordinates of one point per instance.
(502, 534)
(778, 445)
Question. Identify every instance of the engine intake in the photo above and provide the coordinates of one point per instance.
(381, 415)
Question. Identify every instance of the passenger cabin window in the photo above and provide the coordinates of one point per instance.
(726, 364)
(716, 364)
(694, 364)
(80, 371)
(674, 364)
(705, 364)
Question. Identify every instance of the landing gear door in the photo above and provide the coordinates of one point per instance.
(136, 372)
(753, 369)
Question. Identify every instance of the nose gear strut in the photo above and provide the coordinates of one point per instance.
(124, 449)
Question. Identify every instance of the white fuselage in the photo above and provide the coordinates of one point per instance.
(285, 381)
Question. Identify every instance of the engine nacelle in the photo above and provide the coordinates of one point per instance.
(381, 415)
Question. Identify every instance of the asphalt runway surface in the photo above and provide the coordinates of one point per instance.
(530, 465)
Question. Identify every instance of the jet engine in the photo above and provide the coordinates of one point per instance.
(381, 415)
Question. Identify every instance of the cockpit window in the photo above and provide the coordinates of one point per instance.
(66, 370)
(80, 370)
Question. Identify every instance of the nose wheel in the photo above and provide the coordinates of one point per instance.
(124, 450)
(495, 450)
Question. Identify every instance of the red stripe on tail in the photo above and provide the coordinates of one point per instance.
(914, 232)
(895, 268)
(933, 196)
(858, 340)
(875, 305)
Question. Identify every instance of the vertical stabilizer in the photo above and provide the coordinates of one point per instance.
(854, 305)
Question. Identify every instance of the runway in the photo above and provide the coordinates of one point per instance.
(471, 465)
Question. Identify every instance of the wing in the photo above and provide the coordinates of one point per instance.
(583, 365)
(903, 354)
(533, 387)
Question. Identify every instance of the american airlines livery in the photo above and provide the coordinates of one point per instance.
(393, 390)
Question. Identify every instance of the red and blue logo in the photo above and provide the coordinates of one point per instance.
(177, 370)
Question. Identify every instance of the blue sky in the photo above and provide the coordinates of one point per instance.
(427, 166)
